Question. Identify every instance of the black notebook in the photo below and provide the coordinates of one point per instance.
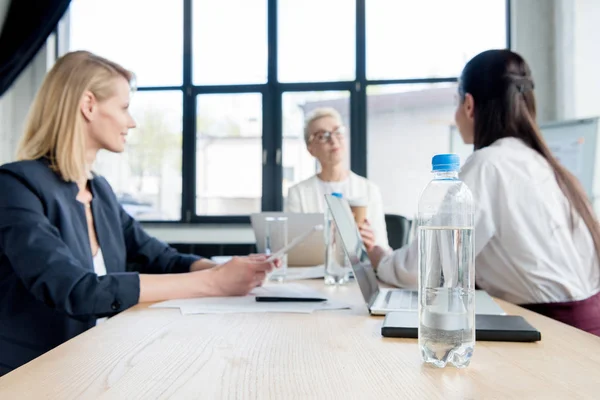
(498, 328)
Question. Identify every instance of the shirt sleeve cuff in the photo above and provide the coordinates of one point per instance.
(184, 263)
(127, 293)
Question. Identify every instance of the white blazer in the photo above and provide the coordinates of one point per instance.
(525, 250)
(306, 197)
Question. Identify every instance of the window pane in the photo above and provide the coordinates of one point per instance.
(147, 176)
(298, 164)
(406, 126)
(230, 41)
(228, 154)
(143, 36)
(316, 40)
(430, 38)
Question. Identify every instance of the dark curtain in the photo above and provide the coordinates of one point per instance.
(27, 25)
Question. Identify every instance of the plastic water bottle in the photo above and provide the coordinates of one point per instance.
(446, 267)
(337, 265)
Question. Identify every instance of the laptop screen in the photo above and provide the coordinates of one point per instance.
(355, 249)
(310, 252)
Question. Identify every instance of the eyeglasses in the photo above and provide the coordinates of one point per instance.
(325, 136)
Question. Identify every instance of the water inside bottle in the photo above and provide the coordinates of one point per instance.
(446, 302)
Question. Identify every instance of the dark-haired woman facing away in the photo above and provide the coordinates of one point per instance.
(537, 239)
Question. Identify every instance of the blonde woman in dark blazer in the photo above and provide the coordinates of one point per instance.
(69, 253)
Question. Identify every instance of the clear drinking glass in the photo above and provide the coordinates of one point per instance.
(276, 238)
(337, 264)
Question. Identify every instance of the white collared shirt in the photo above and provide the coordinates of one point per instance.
(100, 270)
(307, 197)
(342, 187)
(525, 249)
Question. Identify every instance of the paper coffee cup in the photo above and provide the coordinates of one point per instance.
(359, 210)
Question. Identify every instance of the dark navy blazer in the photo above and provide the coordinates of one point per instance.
(49, 292)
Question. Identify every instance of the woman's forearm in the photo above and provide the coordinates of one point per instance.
(399, 268)
(175, 286)
(376, 254)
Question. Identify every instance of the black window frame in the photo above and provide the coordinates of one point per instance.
(272, 93)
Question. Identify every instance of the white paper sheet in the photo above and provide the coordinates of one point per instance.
(249, 305)
(287, 290)
(300, 273)
(246, 304)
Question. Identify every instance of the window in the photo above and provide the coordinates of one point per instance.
(316, 40)
(407, 125)
(228, 154)
(151, 46)
(147, 176)
(288, 174)
(224, 88)
(400, 45)
(229, 41)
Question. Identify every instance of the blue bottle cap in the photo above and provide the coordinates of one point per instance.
(337, 194)
(446, 162)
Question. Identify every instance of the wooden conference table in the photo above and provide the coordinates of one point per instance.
(146, 353)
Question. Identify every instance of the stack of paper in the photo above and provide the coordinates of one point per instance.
(248, 304)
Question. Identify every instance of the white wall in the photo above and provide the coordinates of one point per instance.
(586, 70)
(559, 39)
(533, 37)
(564, 56)
(15, 103)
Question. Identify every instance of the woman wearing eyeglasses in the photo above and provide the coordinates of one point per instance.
(325, 138)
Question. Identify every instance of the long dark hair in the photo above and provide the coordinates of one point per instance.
(502, 88)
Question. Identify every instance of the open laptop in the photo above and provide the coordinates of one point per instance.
(380, 301)
(310, 252)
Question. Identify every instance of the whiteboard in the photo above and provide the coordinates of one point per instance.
(574, 143)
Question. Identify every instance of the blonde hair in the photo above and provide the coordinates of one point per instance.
(55, 125)
(318, 114)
